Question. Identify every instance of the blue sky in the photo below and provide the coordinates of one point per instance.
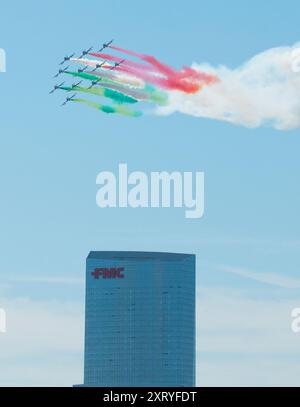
(247, 239)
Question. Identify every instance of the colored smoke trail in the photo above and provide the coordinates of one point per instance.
(90, 62)
(148, 93)
(83, 75)
(187, 79)
(127, 82)
(135, 65)
(174, 80)
(265, 90)
(117, 76)
(93, 76)
(171, 83)
(90, 76)
(121, 110)
(126, 51)
(106, 92)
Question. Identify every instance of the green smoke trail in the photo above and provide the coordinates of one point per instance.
(117, 97)
(154, 95)
(122, 110)
(83, 75)
(90, 77)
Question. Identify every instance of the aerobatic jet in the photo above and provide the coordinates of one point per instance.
(82, 69)
(69, 99)
(67, 58)
(74, 85)
(94, 83)
(98, 66)
(117, 64)
(62, 71)
(85, 52)
(105, 45)
(56, 87)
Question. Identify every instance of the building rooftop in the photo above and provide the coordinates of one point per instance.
(163, 256)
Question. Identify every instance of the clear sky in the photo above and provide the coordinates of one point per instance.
(247, 244)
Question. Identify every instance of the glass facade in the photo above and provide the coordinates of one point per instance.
(139, 319)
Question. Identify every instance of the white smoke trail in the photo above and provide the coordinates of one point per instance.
(265, 90)
(128, 80)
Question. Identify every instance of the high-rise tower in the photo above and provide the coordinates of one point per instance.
(140, 319)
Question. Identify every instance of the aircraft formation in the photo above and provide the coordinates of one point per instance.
(135, 79)
(68, 58)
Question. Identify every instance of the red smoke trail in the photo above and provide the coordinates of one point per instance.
(161, 68)
(108, 57)
(126, 51)
(187, 80)
(170, 83)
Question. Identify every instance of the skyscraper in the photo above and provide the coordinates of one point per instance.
(139, 319)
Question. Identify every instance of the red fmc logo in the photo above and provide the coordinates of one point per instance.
(113, 272)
